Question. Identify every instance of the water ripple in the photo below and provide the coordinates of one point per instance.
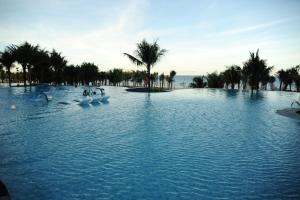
(186, 144)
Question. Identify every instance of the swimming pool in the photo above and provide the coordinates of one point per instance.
(185, 144)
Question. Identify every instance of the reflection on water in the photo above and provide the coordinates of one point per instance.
(232, 93)
(256, 95)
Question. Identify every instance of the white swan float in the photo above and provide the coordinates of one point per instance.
(296, 102)
(93, 96)
(44, 97)
(85, 101)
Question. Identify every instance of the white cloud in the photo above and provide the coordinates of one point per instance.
(236, 31)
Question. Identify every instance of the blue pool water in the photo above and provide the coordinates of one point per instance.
(186, 144)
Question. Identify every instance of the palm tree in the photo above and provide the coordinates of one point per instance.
(215, 80)
(24, 54)
(289, 80)
(286, 79)
(138, 77)
(271, 81)
(89, 72)
(153, 78)
(226, 78)
(103, 78)
(172, 75)
(115, 76)
(232, 75)
(288, 76)
(296, 77)
(7, 59)
(169, 80)
(198, 82)
(244, 77)
(71, 75)
(41, 66)
(282, 76)
(2, 73)
(147, 54)
(162, 80)
(257, 70)
(127, 75)
(265, 76)
(58, 62)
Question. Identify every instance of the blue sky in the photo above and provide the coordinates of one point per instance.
(200, 35)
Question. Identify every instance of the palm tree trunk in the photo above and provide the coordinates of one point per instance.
(24, 74)
(244, 85)
(284, 86)
(280, 85)
(148, 70)
(9, 81)
(29, 73)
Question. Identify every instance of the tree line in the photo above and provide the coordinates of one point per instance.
(255, 73)
(39, 65)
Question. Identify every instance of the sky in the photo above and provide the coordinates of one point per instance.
(200, 36)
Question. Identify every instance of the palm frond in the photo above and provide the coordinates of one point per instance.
(134, 59)
(161, 53)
